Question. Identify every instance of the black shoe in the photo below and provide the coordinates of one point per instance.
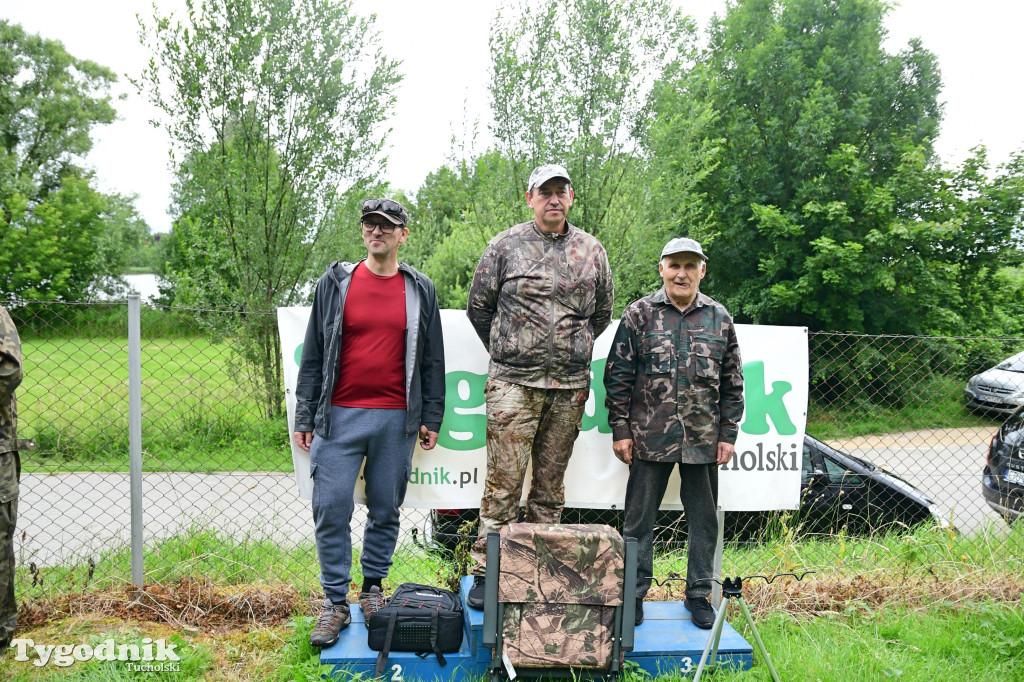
(475, 598)
(701, 613)
(638, 614)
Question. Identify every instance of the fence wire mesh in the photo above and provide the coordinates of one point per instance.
(895, 459)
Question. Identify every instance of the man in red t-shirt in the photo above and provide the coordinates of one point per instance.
(371, 379)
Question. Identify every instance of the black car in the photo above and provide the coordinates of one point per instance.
(839, 493)
(1002, 479)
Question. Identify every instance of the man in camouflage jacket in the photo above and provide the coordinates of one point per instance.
(674, 383)
(541, 294)
(10, 472)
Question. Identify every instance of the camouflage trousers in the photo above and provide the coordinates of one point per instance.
(524, 425)
(10, 472)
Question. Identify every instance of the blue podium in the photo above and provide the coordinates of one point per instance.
(667, 642)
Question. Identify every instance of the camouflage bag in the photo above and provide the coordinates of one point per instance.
(560, 585)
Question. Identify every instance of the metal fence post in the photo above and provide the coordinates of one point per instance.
(135, 432)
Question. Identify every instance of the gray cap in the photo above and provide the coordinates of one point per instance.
(683, 245)
(542, 174)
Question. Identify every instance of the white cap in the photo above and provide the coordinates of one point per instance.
(542, 174)
(683, 245)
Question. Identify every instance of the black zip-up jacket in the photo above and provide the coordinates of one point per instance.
(321, 351)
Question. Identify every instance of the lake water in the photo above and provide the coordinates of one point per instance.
(143, 285)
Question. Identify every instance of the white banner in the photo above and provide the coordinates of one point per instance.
(764, 473)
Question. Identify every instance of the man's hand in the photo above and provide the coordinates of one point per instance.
(428, 438)
(304, 439)
(624, 450)
(725, 451)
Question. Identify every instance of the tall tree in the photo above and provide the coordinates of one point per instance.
(119, 244)
(827, 202)
(459, 207)
(274, 107)
(51, 218)
(571, 84)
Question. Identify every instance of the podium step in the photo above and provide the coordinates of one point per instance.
(666, 643)
(350, 656)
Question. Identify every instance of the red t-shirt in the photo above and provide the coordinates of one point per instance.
(371, 372)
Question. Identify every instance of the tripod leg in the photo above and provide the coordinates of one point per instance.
(757, 640)
(716, 632)
(718, 635)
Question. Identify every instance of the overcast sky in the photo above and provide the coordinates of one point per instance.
(443, 47)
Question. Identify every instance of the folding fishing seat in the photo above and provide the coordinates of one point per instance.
(559, 601)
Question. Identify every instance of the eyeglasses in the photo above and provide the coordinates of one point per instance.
(392, 208)
(385, 229)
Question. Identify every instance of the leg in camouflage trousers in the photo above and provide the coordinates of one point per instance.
(525, 423)
(9, 473)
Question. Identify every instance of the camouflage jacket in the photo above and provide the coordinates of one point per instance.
(674, 380)
(10, 377)
(538, 301)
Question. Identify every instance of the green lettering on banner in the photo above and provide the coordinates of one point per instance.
(463, 431)
(600, 417)
(469, 431)
(760, 405)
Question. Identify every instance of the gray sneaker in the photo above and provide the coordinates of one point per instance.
(371, 602)
(332, 620)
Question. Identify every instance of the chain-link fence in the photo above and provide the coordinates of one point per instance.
(892, 453)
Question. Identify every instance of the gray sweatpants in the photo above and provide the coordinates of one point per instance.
(357, 434)
(699, 493)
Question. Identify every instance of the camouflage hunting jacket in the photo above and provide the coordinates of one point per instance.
(674, 380)
(538, 301)
(10, 377)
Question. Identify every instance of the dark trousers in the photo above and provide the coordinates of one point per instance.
(699, 493)
(10, 473)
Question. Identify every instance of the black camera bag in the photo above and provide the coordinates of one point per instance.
(418, 618)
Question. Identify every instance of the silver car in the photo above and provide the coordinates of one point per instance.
(999, 389)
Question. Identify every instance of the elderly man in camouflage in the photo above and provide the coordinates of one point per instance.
(10, 472)
(541, 294)
(674, 383)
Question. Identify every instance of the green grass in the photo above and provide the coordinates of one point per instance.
(923, 554)
(219, 557)
(914, 559)
(198, 413)
(936, 403)
(924, 605)
(979, 641)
